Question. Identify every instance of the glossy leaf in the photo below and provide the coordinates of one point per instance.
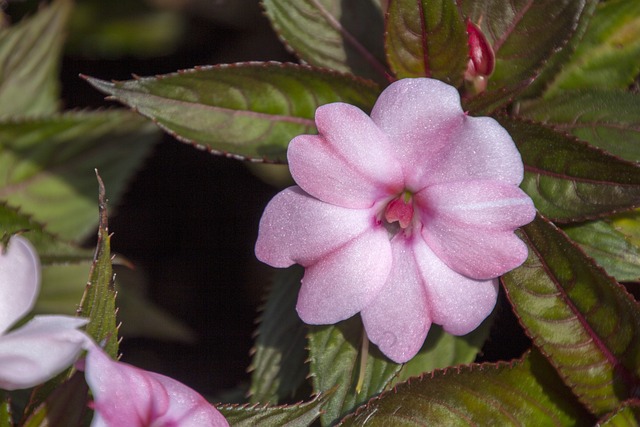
(278, 364)
(299, 415)
(245, 110)
(569, 180)
(98, 301)
(335, 357)
(585, 322)
(47, 165)
(611, 249)
(523, 39)
(606, 119)
(609, 54)
(522, 392)
(628, 415)
(30, 54)
(426, 38)
(340, 35)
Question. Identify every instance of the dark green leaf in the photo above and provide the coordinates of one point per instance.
(426, 38)
(47, 164)
(585, 322)
(5, 412)
(336, 361)
(609, 247)
(244, 110)
(299, 415)
(278, 362)
(346, 36)
(628, 415)
(606, 119)
(523, 392)
(99, 299)
(568, 180)
(524, 34)
(65, 406)
(609, 54)
(29, 60)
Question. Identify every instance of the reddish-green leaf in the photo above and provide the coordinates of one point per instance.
(247, 110)
(341, 35)
(426, 38)
(606, 119)
(585, 322)
(524, 34)
(66, 405)
(278, 362)
(523, 392)
(628, 415)
(567, 179)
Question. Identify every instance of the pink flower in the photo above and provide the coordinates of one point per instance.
(46, 345)
(128, 396)
(405, 217)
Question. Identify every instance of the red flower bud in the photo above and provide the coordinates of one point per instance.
(481, 57)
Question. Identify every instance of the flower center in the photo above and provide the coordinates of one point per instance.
(400, 209)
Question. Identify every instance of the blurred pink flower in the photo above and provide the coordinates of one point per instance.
(128, 396)
(46, 345)
(407, 216)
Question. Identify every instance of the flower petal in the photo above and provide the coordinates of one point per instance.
(350, 163)
(469, 225)
(345, 280)
(399, 319)
(19, 281)
(418, 116)
(298, 228)
(456, 302)
(39, 350)
(128, 396)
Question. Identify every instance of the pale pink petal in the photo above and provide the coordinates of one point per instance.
(456, 302)
(128, 396)
(39, 350)
(469, 225)
(19, 281)
(419, 116)
(345, 280)
(349, 163)
(479, 148)
(298, 228)
(399, 319)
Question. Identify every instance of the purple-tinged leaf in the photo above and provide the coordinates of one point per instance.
(611, 248)
(627, 415)
(300, 414)
(605, 118)
(426, 39)
(278, 364)
(579, 317)
(66, 405)
(345, 36)
(524, 34)
(249, 110)
(521, 392)
(568, 180)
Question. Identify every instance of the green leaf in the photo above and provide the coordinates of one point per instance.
(5, 412)
(299, 415)
(567, 179)
(30, 55)
(99, 299)
(426, 38)
(335, 356)
(612, 249)
(522, 392)
(278, 362)
(609, 54)
(524, 34)
(345, 36)
(585, 322)
(628, 415)
(441, 350)
(47, 165)
(604, 118)
(247, 110)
